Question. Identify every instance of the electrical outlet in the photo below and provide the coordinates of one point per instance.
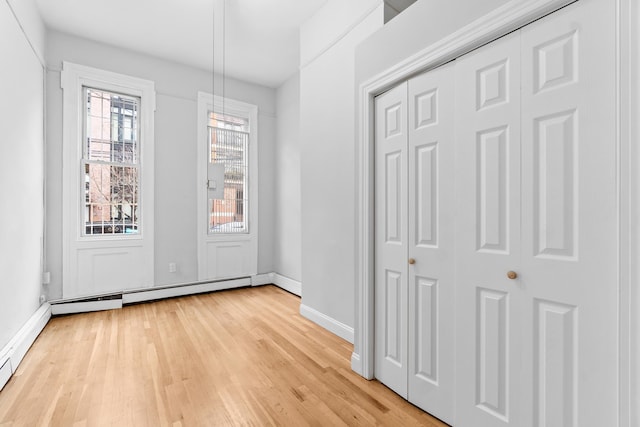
(172, 267)
(43, 299)
(46, 278)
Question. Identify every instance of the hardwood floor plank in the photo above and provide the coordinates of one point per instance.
(243, 357)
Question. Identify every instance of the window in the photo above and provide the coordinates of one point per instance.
(227, 188)
(228, 146)
(107, 181)
(110, 163)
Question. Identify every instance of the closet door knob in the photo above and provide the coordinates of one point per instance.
(512, 275)
(412, 261)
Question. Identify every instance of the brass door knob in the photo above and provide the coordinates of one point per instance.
(412, 261)
(512, 275)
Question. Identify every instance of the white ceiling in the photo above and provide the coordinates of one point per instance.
(261, 36)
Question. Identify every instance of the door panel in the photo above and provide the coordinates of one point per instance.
(492, 352)
(488, 327)
(391, 286)
(554, 363)
(569, 233)
(491, 197)
(431, 221)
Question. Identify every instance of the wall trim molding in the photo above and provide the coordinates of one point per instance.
(176, 291)
(287, 284)
(501, 21)
(85, 306)
(332, 325)
(13, 353)
(628, 63)
(262, 279)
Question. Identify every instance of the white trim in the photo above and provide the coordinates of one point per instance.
(5, 373)
(175, 291)
(206, 103)
(495, 24)
(288, 284)
(13, 353)
(629, 197)
(72, 80)
(262, 279)
(332, 325)
(85, 306)
(356, 363)
(283, 282)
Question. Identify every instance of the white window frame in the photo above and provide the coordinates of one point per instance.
(85, 160)
(74, 78)
(206, 104)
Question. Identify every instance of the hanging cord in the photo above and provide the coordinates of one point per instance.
(213, 49)
(224, 55)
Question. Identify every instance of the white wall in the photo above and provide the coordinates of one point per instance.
(423, 23)
(330, 24)
(21, 167)
(175, 153)
(31, 23)
(287, 239)
(327, 155)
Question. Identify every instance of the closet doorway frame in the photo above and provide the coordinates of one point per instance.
(503, 20)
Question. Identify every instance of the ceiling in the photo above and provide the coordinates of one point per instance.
(261, 42)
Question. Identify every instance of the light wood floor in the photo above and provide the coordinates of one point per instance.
(242, 357)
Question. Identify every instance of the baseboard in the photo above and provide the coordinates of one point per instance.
(262, 279)
(13, 353)
(176, 291)
(85, 306)
(5, 373)
(330, 324)
(356, 363)
(287, 284)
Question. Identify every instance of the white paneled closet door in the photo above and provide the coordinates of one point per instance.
(431, 242)
(391, 239)
(537, 197)
(414, 241)
(488, 327)
(570, 218)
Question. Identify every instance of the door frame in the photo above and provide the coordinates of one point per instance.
(501, 21)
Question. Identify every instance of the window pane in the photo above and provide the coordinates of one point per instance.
(112, 127)
(111, 199)
(229, 146)
(110, 163)
(225, 121)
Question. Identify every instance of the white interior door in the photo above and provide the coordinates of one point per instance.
(414, 241)
(569, 222)
(539, 349)
(391, 255)
(431, 242)
(488, 323)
